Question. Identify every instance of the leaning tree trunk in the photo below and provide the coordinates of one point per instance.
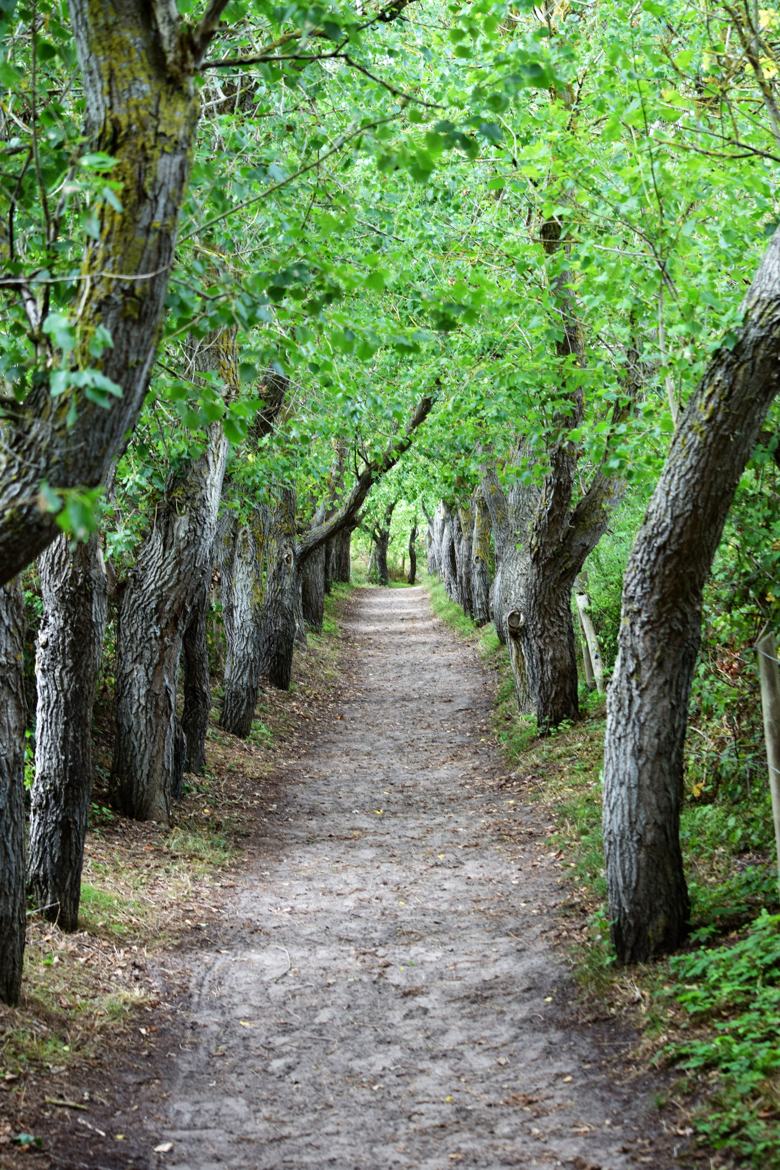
(171, 569)
(197, 683)
(142, 109)
(278, 621)
(660, 626)
(12, 725)
(480, 560)
(70, 644)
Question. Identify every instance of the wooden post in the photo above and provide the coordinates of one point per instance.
(769, 673)
(588, 629)
(587, 665)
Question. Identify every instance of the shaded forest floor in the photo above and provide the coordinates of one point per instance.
(357, 959)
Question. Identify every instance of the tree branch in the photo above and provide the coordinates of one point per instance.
(371, 473)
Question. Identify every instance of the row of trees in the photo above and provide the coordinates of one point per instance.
(249, 254)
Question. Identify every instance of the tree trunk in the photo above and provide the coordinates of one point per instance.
(312, 574)
(381, 544)
(70, 644)
(372, 572)
(648, 697)
(197, 683)
(173, 565)
(342, 570)
(464, 558)
(549, 648)
(243, 595)
(480, 560)
(278, 622)
(142, 109)
(412, 575)
(12, 725)
(447, 556)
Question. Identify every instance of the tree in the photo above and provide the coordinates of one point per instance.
(660, 625)
(12, 853)
(70, 646)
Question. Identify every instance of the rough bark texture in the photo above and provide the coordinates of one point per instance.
(70, 643)
(447, 557)
(480, 560)
(12, 725)
(312, 575)
(197, 683)
(381, 540)
(142, 109)
(278, 622)
(172, 567)
(243, 593)
(464, 558)
(342, 558)
(660, 627)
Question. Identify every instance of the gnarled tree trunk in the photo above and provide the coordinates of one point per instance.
(70, 644)
(278, 620)
(172, 567)
(12, 725)
(142, 109)
(197, 683)
(648, 697)
(243, 574)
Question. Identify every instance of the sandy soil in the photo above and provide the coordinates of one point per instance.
(386, 990)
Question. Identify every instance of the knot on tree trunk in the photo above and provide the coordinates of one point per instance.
(515, 623)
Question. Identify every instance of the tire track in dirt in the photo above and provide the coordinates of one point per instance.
(388, 994)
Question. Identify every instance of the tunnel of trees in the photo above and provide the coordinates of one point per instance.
(277, 282)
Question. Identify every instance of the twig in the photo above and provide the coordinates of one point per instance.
(63, 1104)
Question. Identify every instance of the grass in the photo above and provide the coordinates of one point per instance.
(712, 1011)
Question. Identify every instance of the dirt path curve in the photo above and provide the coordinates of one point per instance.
(388, 994)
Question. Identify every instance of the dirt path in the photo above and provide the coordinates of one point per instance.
(387, 993)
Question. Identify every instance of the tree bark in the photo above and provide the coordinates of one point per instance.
(342, 563)
(648, 697)
(172, 567)
(243, 596)
(278, 621)
(142, 109)
(313, 574)
(412, 574)
(70, 644)
(381, 540)
(12, 851)
(447, 556)
(480, 560)
(197, 683)
(464, 558)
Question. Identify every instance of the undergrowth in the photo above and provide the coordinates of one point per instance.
(711, 1011)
